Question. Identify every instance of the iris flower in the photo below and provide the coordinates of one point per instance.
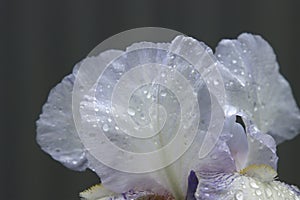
(229, 110)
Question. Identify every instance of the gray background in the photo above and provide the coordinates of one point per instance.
(42, 40)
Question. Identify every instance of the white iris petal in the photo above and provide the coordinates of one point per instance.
(255, 86)
(241, 165)
(235, 186)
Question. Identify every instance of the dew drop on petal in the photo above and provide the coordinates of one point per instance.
(216, 82)
(258, 192)
(268, 192)
(148, 96)
(258, 88)
(105, 127)
(131, 112)
(239, 195)
(163, 94)
(254, 185)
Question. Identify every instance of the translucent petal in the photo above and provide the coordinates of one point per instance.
(239, 148)
(230, 152)
(254, 86)
(262, 147)
(113, 107)
(56, 133)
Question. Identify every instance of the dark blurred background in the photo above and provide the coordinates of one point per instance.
(42, 40)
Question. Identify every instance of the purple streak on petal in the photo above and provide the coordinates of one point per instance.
(213, 185)
(192, 186)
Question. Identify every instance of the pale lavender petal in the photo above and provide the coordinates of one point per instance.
(255, 86)
(56, 133)
(262, 147)
(230, 151)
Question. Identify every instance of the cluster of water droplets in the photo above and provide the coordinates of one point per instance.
(146, 100)
(235, 186)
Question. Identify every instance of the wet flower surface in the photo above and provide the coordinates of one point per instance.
(188, 124)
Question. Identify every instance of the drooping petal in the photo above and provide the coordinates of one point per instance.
(235, 186)
(98, 192)
(255, 86)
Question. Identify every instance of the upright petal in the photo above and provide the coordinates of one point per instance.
(255, 86)
(151, 88)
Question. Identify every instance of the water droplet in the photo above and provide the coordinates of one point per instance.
(268, 192)
(234, 61)
(109, 120)
(131, 112)
(258, 88)
(163, 94)
(148, 96)
(105, 127)
(216, 82)
(145, 91)
(163, 74)
(239, 195)
(206, 194)
(117, 128)
(96, 109)
(219, 55)
(254, 185)
(235, 70)
(279, 194)
(258, 192)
